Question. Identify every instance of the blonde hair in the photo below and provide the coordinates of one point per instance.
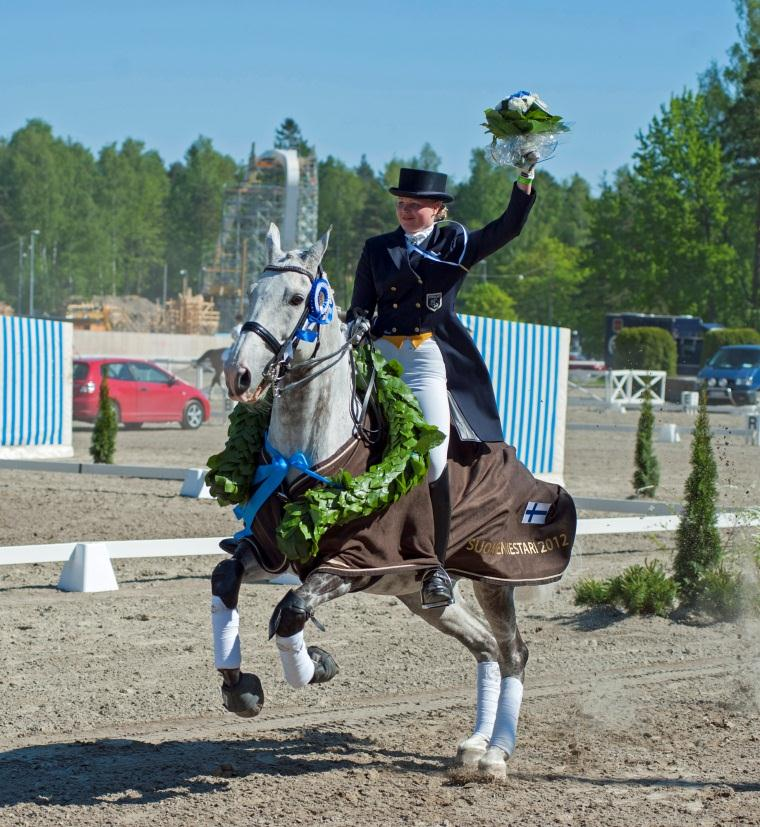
(442, 213)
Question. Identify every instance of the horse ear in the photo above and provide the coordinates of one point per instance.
(274, 251)
(316, 252)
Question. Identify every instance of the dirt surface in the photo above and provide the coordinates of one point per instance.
(111, 710)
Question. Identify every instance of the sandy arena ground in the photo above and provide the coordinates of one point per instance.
(112, 716)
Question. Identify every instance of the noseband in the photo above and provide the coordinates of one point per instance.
(318, 310)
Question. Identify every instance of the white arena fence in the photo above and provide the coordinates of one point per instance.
(528, 365)
(35, 387)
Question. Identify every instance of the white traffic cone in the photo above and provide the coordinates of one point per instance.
(88, 569)
(194, 484)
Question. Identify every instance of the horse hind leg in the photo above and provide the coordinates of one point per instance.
(457, 621)
(498, 605)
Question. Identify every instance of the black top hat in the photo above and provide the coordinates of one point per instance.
(421, 183)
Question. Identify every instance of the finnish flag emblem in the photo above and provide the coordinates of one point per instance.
(536, 513)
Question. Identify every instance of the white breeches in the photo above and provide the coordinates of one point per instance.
(425, 374)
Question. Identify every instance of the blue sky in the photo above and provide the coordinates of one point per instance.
(374, 78)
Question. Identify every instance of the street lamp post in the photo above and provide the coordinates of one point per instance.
(21, 257)
(33, 235)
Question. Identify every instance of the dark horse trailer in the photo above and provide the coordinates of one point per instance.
(687, 331)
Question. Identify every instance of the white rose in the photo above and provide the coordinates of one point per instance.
(517, 105)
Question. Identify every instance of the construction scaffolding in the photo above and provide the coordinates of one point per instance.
(280, 187)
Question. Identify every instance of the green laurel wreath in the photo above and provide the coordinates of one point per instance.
(404, 463)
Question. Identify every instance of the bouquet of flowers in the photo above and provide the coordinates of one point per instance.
(520, 125)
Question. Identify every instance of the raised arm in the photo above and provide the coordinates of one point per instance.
(507, 226)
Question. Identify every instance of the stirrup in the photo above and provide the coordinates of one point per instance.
(437, 589)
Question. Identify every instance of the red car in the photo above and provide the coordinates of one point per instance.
(141, 392)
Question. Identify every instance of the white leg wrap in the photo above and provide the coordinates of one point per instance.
(225, 624)
(297, 666)
(505, 728)
(489, 686)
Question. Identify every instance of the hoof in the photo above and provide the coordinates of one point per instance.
(325, 668)
(471, 750)
(494, 764)
(245, 698)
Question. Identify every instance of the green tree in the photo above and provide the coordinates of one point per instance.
(288, 136)
(646, 477)
(47, 184)
(427, 158)
(486, 299)
(132, 194)
(196, 193)
(659, 238)
(341, 198)
(698, 548)
(546, 282)
(103, 441)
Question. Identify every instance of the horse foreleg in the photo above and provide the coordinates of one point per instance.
(498, 605)
(302, 665)
(458, 622)
(241, 693)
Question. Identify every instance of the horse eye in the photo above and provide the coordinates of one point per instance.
(296, 299)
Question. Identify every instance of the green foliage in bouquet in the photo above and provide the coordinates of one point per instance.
(403, 466)
(103, 442)
(530, 118)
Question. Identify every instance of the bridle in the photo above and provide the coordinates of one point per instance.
(319, 309)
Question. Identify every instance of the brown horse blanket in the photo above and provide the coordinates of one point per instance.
(506, 526)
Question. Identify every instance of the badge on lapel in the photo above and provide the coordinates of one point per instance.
(434, 301)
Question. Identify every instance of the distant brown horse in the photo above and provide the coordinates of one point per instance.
(213, 359)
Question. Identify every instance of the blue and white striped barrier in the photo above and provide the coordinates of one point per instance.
(35, 388)
(528, 364)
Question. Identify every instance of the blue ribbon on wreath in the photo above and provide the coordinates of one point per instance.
(268, 478)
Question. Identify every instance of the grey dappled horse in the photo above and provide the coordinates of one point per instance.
(312, 415)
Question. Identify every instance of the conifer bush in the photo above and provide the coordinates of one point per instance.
(646, 477)
(698, 547)
(639, 589)
(103, 442)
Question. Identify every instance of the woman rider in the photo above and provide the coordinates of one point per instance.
(410, 278)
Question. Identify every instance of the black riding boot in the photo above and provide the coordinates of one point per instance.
(436, 583)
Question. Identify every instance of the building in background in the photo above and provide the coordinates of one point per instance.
(279, 187)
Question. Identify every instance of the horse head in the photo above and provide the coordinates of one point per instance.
(288, 305)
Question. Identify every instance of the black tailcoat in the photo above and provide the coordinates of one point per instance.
(413, 294)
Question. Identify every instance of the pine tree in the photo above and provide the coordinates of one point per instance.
(103, 443)
(288, 136)
(646, 478)
(698, 549)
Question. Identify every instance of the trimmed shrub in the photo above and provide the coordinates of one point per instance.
(646, 477)
(103, 442)
(698, 547)
(715, 339)
(645, 348)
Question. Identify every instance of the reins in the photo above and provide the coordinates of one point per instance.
(317, 312)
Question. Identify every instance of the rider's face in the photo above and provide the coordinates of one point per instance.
(415, 214)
